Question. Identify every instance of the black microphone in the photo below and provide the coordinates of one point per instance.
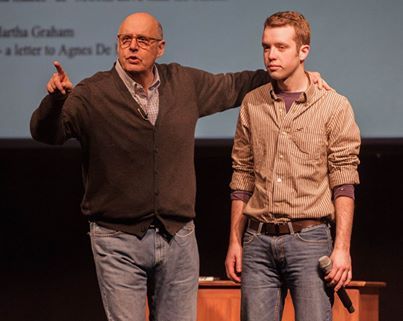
(326, 264)
(143, 114)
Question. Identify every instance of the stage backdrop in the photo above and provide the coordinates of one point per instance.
(356, 45)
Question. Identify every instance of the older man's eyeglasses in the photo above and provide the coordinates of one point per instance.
(143, 42)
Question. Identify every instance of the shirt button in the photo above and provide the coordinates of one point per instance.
(281, 156)
(279, 180)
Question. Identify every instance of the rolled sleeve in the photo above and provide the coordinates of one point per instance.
(243, 178)
(344, 146)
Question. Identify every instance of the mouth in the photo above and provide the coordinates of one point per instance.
(133, 59)
(273, 67)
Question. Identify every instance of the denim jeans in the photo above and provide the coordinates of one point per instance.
(164, 270)
(272, 265)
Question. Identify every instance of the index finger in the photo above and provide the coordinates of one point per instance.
(59, 68)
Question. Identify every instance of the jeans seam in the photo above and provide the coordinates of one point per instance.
(106, 306)
(102, 290)
(277, 305)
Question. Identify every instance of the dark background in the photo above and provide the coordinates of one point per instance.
(47, 272)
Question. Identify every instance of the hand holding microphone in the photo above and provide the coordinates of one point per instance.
(326, 264)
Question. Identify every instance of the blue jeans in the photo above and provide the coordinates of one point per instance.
(130, 269)
(271, 265)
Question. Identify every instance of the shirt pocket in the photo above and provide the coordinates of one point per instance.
(308, 144)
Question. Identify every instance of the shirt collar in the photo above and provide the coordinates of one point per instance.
(305, 97)
(133, 85)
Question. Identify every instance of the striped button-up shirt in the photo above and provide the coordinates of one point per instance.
(291, 161)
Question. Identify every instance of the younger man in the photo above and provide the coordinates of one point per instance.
(295, 160)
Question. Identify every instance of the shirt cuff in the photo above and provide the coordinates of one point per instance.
(344, 190)
(241, 195)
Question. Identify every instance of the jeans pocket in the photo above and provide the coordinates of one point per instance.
(185, 234)
(248, 237)
(100, 231)
(315, 234)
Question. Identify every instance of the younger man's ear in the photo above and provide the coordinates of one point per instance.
(303, 52)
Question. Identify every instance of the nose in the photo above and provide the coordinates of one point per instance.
(133, 44)
(272, 54)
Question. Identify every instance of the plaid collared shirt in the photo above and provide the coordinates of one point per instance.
(291, 161)
(148, 101)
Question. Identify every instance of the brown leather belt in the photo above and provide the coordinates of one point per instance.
(277, 229)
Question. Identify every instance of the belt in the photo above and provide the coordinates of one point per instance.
(277, 229)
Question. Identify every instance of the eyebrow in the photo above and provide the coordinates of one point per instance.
(138, 35)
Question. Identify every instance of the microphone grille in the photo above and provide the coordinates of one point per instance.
(325, 264)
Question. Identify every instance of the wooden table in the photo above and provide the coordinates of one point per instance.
(220, 301)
